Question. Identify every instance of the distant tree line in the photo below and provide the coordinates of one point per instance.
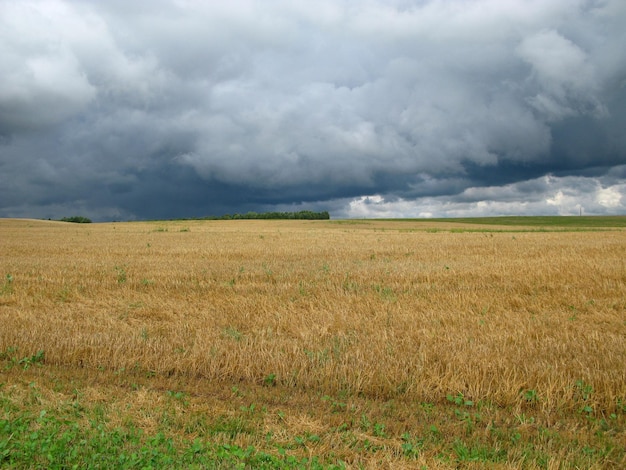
(77, 219)
(301, 215)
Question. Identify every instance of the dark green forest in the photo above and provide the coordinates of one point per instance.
(77, 219)
(301, 215)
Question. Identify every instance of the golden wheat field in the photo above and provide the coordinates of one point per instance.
(364, 343)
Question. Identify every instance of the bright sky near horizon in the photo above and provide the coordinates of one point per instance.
(152, 109)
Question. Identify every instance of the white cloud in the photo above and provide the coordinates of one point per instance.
(549, 196)
(611, 197)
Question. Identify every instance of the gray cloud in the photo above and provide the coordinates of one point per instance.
(180, 108)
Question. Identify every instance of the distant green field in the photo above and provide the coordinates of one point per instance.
(537, 221)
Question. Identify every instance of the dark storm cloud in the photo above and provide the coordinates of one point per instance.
(154, 109)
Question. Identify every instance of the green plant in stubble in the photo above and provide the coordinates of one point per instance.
(411, 446)
(26, 362)
(379, 430)
(233, 333)
(180, 397)
(7, 288)
(531, 397)
(459, 400)
(270, 380)
(583, 392)
(121, 274)
(37, 358)
(268, 272)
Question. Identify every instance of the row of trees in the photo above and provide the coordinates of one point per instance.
(77, 219)
(301, 215)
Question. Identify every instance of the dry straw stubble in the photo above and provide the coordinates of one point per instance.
(368, 309)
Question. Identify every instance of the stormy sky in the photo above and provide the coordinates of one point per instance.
(149, 109)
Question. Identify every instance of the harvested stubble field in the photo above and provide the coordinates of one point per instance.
(279, 344)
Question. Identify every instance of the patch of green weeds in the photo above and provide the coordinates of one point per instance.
(232, 332)
(180, 397)
(565, 223)
(582, 390)
(301, 289)
(582, 393)
(302, 441)
(477, 453)
(459, 400)
(427, 407)
(231, 426)
(78, 437)
(270, 380)
(349, 222)
(465, 413)
(531, 397)
(411, 446)
(365, 422)
(379, 430)
(339, 345)
(268, 272)
(7, 287)
(121, 274)
(64, 294)
(37, 358)
(385, 293)
(318, 357)
(335, 405)
(250, 410)
(9, 355)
